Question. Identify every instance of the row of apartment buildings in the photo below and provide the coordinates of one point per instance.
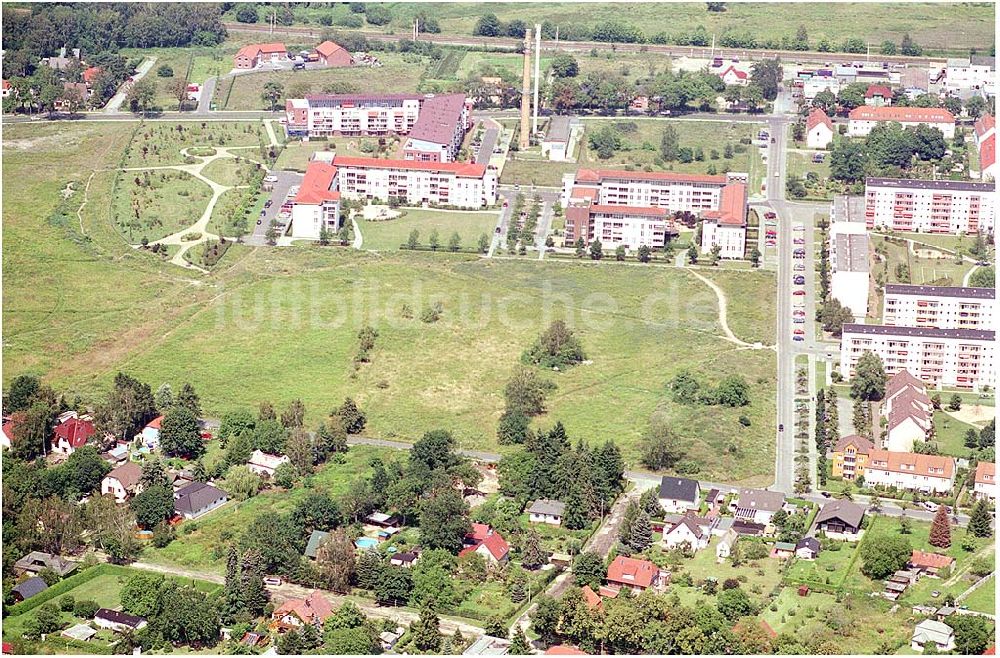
(434, 124)
(942, 335)
(316, 206)
(930, 206)
(635, 208)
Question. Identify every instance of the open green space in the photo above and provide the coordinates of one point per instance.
(160, 143)
(389, 234)
(950, 434)
(154, 204)
(829, 569)
(754, 323)
(205, 547)
(231, 171)
(297, 154)
(399, 72)
(984, 598)
(898, 265)
(227, 220)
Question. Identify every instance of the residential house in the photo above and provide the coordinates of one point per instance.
(255, 54)
(487, 645)
(78, 88)
(725, 546)
(929, 563)
(908, 412)
(637, 575)
(782, 550)
(931, 632)
(878, 96)
(841, 519)
(757, 505)
(28, 588)
(591, 598)
(35, 561)
(487, 542)
(90, 75)
(8, 89)
(316, 206)
(690, 531)
(73, 433)
(332, 54)
(405, 559)
(733, 76)
(413, 182)
(862, 119)
(849, 457)
(315, 539)
(908, 470)
(678, 495)
(748, 528)
(7, 432)
(988, 159)
(150, 435)
(118, 621)
(383, 520)
(547, 511)
(123, 482)
(197, 499)
(807, 548)
(293, 614)
(985, 487)
(819, 129)
(63, 60)
(117, 455)
(264, 464)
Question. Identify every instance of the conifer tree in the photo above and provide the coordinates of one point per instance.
(940, 529)
(979, 520)
(641, 536)
(519, 644)
(426, 635)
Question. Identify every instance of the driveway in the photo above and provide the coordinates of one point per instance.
(286, 179)
(207, 91)
(489, 142)
(114, 105)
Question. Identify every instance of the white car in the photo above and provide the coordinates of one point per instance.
(799, 227)
(271, 179)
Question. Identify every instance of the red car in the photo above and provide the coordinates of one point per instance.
(799, 292)
(799, 332)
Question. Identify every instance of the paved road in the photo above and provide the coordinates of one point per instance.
(207, 91)
(490, 135)
(172, 117)
(587, 46)
(114, 105)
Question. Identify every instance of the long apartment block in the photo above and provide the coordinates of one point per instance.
(962, 358)
(929, 206)
(635, 208)
(435, 124)
(939, 307)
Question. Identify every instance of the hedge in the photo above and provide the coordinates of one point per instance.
(64, 586)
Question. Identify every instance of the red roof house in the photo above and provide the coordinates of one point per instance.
(733, 76)
(591, 598)
(487, 542)
(929, 562)
(295, 613)
(90, 74)
(316, 184)
(332, 54)
(984, 125)
(637, 575)
(73, 433)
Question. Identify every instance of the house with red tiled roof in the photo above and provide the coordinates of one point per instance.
(862, 119)
(912, 471)
(7, 89)
(73, 433)
(984, 127)
(690, 530)
(733, 76)
(293, 614)
(985, 486)
(928, 562)
(9, 429)
(819, 129)
(487, 542)
(591, 598)
(878, 96)
(988, 158)
(458, 184)
(726, 226)
(90, 75)
(332, 54)
(255, 54)
(316, 206)
(150, 435)
(634, 574)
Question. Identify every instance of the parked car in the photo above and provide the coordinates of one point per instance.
(798, 314)
(798, 338)
(799, 280)
(259, 221)
(799, 292)
(799, 226)
(769, 215)
(799, 332)
(268, 203)
(800, 267)
(270, 178)
(799, 241)
(798, 320)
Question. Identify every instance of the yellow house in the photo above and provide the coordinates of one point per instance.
(850, 456)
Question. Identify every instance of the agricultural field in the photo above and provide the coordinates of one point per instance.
(201, 544)
(399, 72)
(151, 205)
(389, 234)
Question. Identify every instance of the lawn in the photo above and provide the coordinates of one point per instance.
(226, 218)
(297, 154)
(161, 143)
(942, 271)
(829, 569)
(388, 235)
(483, 63)
(761, 576)
(399, 73)
(205, 547)
(946, 242)
(984, 598)
(950, 434)
(754, 322)
(154, 204)
(231, 171)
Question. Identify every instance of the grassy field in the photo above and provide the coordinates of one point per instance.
(205, 547)
(830, 568)
(950, 434)
(755, 322)
(161, 143)
(229, 171)
(397, 73)
(922, 270)
(761, 575)
(485, 62)
(388, 235)
(984, 598)
(164, 203)
(225, 216)
(296, 155)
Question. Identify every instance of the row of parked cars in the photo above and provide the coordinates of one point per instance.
(799, 279)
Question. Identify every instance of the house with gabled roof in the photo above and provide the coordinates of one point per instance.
(332, 54)
(118, 621)
(841, 519)
(909, 470)
(546, 511)
(123, 482)
(819, 129)
(255, 54)
(933, 633)
(634, 574)
(985, 485)
(929, 563)
(691, 531)
(264, 464)
(678, 495)
(72, 433)
(293, 614)
(28, 588)
(878, 96)
(850, 455)
(757, 505)
(36, 561)
(908, 412)
(487, 542)
(807, 548)
(733, 76)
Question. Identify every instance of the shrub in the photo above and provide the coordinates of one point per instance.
(85, 609)
(165, 71)
(66, 603)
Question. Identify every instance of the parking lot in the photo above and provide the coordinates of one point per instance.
(286, 181)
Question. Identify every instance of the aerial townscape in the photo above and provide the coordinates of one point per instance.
(498, 328)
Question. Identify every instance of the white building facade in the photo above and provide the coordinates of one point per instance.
(940, 307)
(911, 471)
(929, 206)
(940, 357)
(862, 119)
(460, 185)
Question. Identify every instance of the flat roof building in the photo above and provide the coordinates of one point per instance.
(929, 206)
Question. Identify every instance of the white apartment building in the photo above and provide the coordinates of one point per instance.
(694, 193)
(462, 185)
(618, 225)
(940, 357)
(862, 119)
(941, 307)
(974, 73)
(727, 226)
(849, 267)
(317, 204)
(929, 206)
(908, 413)
(908, 470)
(820, 83)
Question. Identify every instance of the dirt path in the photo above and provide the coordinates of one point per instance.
(723, 313)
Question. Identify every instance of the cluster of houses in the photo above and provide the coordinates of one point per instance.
(256, 55)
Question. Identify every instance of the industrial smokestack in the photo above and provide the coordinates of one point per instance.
(538, 58)
(524, 141)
